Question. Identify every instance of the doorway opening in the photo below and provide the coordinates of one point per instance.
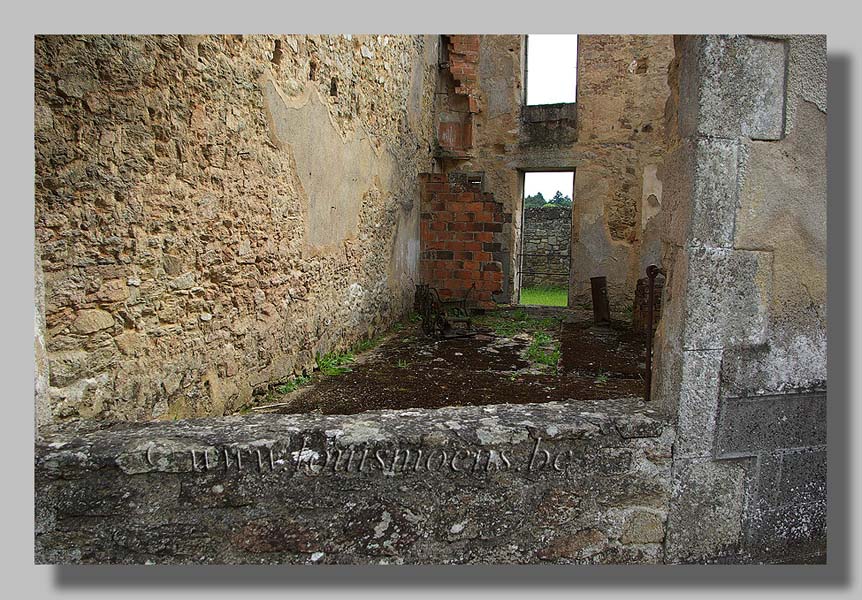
(546, 230)
(552, 69)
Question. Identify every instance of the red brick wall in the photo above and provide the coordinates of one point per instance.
(464, 65)
(462, 241)
(455, 127)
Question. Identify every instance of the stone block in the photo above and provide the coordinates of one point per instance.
(573, 545)
(91, 321)
(783, 363)
(667, 371)
(282, 488)
(701, 192)
(714, 192)
(733, 86)
(787, 513)
(676, 173)
(763, 82)
(796, 533)
(747, 426)
(698, 402)
(728, 293)
(705, 516)
(68, 367)
(642, 527)
(803, 477)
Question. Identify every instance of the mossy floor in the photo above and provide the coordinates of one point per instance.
(519, 355)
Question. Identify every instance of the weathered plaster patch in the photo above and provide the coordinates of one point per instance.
(651, 195)
(336, 170)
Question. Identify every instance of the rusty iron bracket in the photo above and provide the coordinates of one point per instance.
(652, 272)
(601, 304)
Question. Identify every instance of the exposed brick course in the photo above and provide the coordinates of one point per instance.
(459, 223)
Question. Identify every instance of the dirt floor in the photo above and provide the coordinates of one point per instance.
(517, 355)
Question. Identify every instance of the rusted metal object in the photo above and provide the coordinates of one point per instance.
(439, 317)
(652, 272)
(601, 306)
(641, 303)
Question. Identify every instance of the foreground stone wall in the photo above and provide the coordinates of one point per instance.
(546, 239)
(566, 483)
(212, 211)
(741, 348)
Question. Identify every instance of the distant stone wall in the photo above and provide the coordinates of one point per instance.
(211, 211)
(545, 247)
(562, 483)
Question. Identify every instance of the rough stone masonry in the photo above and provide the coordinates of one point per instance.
(546, 246)
(212, 211)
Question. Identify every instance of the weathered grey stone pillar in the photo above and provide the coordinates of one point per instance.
(728, 337)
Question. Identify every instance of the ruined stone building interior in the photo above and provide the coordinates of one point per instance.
(249, 246)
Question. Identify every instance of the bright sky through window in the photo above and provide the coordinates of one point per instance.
(552, 68)
(549, 183)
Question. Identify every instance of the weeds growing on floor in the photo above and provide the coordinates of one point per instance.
(366, 345)
(293, 384)
(544, 350)
(334, 363)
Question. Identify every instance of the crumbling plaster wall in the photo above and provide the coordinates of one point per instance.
(622, 90)
(617, 143)
(494, 134)
(741, 349)
(214, 210)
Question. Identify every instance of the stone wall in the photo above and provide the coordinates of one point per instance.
(741, 349)
(211, 211)
(622, 91)
(546, 235)
(493, 484)
(613, 138)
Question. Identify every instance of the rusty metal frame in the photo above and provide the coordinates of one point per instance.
(440, 316)
(652, 272)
